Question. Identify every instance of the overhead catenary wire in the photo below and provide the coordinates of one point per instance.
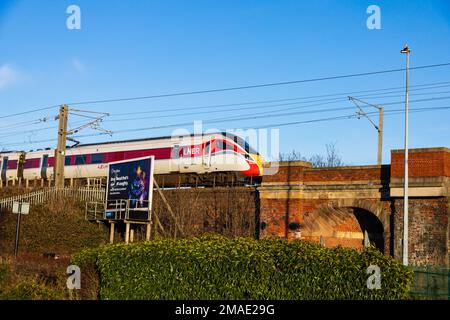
(23, 124)
(28, 111)
(272, 84)
(217, 120)
(152, 128)
(262, 116)
(241, 117)
(424, 87)
(39, 121)
(343, 117)
(387, 113)
(230, 88)
(325, 102)
(344, 96)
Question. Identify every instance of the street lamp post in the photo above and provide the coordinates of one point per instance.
(406, 51)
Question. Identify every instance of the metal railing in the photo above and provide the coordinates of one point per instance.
(94, 211)
(49, 194)
(120, 209)
(431, 282)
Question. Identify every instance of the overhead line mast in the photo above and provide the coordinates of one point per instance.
(60, 151)
(379, 127)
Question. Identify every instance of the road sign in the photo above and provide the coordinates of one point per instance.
(16, 206)
(25, 208)
(21, 207)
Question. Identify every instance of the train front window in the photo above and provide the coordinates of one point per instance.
(246, 146)
(229, 147)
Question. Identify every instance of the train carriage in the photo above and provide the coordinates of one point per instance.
(9, 166)
(37, 165)
(197, 154)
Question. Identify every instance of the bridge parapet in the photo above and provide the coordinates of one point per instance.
(429, 172)
(295, 193)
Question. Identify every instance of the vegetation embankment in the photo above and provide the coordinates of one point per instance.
(49, 235)
(239, 268)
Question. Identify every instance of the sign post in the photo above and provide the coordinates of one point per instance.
(19, 208)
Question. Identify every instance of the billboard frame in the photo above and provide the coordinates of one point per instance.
(150, 189)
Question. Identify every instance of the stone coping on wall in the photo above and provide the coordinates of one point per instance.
(421, 150)
(296, 163)
(308, 166)
(320, 186)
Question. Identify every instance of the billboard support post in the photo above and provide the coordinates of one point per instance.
(127, 232)
(148, 231)
(177, 225)
(111, 232)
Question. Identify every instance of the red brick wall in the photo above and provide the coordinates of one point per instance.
(273, 217)
(421, 164)
(447, 164)
(277, 214)
(429, 217)
(286, 174)
(342, 174)
(299, 173)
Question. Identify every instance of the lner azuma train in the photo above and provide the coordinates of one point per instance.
(204, 155)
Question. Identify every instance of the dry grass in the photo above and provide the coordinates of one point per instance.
(60, 228)
(229, 212)
(57, 227)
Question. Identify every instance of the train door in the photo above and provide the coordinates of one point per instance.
(4, 168)
(174, 165)
(44, 166)
(207, 155)
(191, 157)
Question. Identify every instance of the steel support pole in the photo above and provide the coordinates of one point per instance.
(406, 182)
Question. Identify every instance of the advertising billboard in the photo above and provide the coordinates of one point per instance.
(130, 188)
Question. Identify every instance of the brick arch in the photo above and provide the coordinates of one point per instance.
(341, 222)
(374, 207)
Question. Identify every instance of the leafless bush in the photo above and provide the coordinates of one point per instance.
(331, 159)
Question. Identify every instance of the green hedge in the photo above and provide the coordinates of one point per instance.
(240, 268)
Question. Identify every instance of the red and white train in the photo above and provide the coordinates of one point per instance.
(198, 154)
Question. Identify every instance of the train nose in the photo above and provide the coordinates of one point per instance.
(256, 166)
(259, 160)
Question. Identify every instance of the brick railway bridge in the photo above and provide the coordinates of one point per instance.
(350, 205)
(346, 206)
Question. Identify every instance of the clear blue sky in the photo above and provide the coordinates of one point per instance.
(140, 48)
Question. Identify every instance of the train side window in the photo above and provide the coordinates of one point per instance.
(81, 159)
(207, 147)
(67, 161)
(97, 158)
(219, 144)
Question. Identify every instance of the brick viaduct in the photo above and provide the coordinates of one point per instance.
(346, 205)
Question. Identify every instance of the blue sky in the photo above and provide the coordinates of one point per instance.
(141, 48)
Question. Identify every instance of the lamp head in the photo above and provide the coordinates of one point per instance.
(405, 49)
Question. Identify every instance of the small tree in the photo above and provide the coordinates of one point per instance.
(332, 158)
